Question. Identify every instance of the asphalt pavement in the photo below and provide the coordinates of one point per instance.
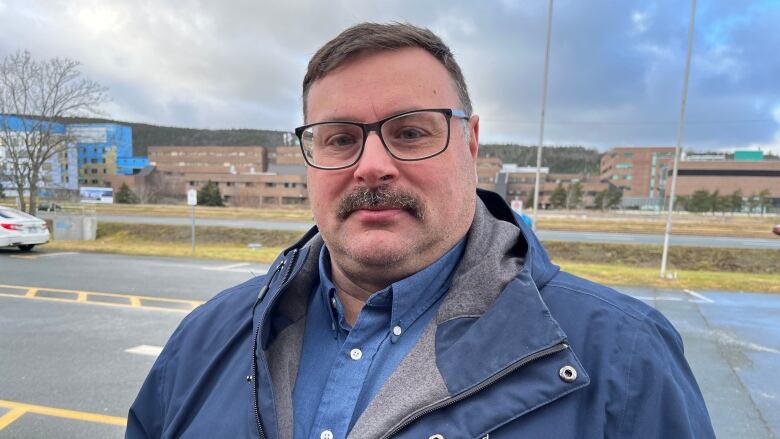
(544, 235)
(79, 332)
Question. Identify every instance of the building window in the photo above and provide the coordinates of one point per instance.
(624, 166)
(269, 200)
(628, 154)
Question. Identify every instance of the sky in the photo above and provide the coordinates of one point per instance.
(615, 74)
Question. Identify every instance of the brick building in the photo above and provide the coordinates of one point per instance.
(517, 182)
(727, 176)
(640, 172)
(244, 174)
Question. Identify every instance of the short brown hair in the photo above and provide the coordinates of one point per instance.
(376, 37)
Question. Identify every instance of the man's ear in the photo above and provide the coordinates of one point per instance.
(474, 136)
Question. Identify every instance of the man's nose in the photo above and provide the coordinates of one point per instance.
(376, 166)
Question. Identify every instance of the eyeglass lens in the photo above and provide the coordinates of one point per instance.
(408, 137)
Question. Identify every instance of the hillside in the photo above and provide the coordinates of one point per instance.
(145, 135)
(562, 159)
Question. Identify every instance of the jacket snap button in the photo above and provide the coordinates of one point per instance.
(436, 436)
(568, 374)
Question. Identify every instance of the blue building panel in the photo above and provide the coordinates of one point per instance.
(96, 151)
(127, 166)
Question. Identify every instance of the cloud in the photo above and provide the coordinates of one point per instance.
(615, 69)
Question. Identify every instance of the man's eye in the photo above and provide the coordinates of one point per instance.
(411, 134)
(341, 140)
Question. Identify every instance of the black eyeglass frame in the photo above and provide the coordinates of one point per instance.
(449, 113)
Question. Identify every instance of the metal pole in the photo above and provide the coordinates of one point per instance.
(544, 107)
(193, 229)
(680, 127)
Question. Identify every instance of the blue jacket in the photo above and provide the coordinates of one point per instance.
(517, 349)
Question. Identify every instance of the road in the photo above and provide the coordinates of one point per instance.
(544, 235)
(79, 332)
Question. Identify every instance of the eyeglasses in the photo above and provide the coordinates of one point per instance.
(409, 136)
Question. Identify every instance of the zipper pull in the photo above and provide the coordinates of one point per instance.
(264, 290)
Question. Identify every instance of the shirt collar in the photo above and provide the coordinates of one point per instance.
(406, 299)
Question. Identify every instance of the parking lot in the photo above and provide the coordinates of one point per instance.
(78, 333)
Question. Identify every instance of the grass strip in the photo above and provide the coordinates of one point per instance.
(680, 258)
(610, 274)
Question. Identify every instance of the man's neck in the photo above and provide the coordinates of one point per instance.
(353, 295)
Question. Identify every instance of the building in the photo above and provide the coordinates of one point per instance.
(644, 174)
(104, 149)
(750, 177)
(173, 161)
(640, 172)
(518, 182)
(58, 172)
(244, 174)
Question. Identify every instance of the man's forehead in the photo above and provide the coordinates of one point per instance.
(382, 83)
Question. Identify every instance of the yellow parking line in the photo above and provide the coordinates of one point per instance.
(118, 305)
(93, 298)
(10, 417)
(18, 409)
(101, 294)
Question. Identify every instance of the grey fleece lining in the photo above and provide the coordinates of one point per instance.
(284, 353)
(487, 266)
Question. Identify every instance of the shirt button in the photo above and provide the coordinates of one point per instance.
(397, 330)
(356, 354)
(327, 434)
(333, 302)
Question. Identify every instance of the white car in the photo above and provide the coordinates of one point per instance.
(19, 229)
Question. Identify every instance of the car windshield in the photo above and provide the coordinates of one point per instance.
(9, 213)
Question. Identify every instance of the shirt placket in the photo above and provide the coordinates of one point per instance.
(349, 372)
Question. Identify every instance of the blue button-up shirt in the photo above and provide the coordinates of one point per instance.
(342, 367)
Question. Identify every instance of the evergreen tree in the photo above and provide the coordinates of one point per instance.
(681, 202)
(615, 198)
(125, 195)
(752, 203)
(558, 197)
(529, 202)
(600, 200)
(209, 195)
(735, 201)
(701, 201)
(574, 195)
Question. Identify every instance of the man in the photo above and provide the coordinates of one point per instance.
(419, 307)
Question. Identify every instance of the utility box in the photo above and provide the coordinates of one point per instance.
(75, 227)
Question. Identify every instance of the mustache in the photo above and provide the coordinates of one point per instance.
(365, 198)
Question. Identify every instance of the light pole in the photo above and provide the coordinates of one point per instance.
(680, 127)
(544, 107)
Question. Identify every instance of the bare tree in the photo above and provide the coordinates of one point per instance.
(34, 97)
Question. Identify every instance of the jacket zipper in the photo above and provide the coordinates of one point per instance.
(260, 296)
(476, 389)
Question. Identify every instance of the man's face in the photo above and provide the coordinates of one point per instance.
(437, 194)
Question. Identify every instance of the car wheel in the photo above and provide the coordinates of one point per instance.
(26, 247)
